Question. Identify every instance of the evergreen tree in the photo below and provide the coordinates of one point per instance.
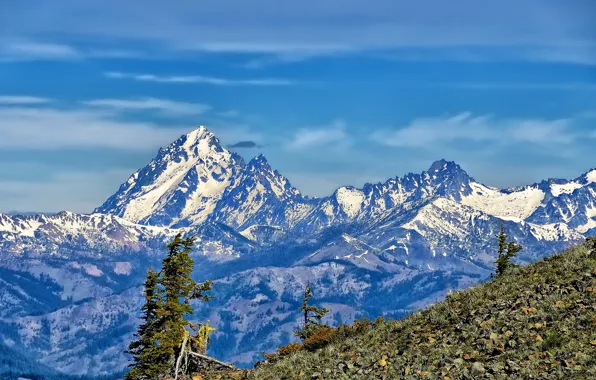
(312, 316)
(507, 250)
(177, 287)
(145, 337)
(167, 302)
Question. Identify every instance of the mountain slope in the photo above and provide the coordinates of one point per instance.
(538, 321)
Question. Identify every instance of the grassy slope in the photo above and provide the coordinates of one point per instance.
(535, 322)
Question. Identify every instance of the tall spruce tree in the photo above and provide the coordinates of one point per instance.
(167, 302)
(312, 316)
(177, 287)
(145, 342)
(507, 251)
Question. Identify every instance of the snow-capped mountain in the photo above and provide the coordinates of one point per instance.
(384, 249)
(182, 183)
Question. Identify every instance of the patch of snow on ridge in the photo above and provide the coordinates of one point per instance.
(515, 206)
(350, 200)
(591, 176)
(591, 223)
(566, 188)
(553, 232)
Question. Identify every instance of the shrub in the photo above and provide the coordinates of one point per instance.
(283, 351)
(289, 349)
(320, 338)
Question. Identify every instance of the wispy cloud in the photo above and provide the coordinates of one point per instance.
(106, 124)
(22, 100)
(78, 191)
(586, 86)
(425, 132)
(559, 31)
(330, 135)
(31, 50)
(28, 50)
(199, 79)
(47, 128)
(163, 105)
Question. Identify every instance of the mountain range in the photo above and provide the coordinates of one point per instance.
(70, 284)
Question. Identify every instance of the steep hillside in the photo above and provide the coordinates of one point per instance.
(537, 321)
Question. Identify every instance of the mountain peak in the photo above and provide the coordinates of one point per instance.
(196, 137)
(259, 162)
(443, 165)
(184, 180)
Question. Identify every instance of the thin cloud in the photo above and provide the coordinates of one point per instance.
(47, 128)
(199, 79)
(519, 86)
(334, 134)
(163, 105)
(22, 100)
(43, 51)
(62, 190)
(28, 50)
(560, 31)
(424, 132)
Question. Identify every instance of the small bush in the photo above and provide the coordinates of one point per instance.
(283, 351)
(289, 349)
(320, 338)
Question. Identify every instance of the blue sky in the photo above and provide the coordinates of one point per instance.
(334, 92)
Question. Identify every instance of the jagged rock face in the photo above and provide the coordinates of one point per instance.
(387, 248)
(261, 197)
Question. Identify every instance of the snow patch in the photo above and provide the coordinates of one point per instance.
(591, 223)
(122, 268)
(350, 200)
(591, 176)
(516, 206)
(566, 188)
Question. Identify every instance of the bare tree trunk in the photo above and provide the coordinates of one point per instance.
(210, 359)
(182, 349)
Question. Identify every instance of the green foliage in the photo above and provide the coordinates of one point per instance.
(312, 316)
(591, 244)
(201, 339)
(507, 251)
(146, 335)
(177, 287)
(167, 302)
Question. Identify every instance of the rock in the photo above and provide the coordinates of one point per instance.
(477, 369)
